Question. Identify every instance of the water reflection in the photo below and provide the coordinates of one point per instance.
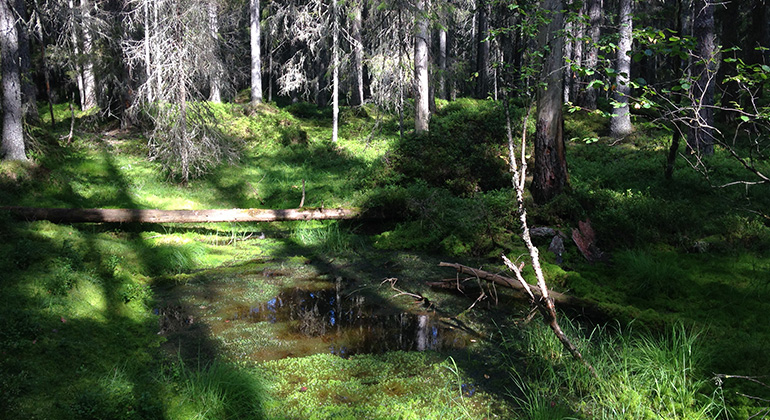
(350, 324)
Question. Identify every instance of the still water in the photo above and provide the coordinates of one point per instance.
(350, 325)
(226, 317)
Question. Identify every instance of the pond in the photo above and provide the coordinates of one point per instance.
(268, 314)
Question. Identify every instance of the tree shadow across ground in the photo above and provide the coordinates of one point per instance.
(79, 339)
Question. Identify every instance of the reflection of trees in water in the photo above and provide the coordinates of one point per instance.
(352, 325)
(311, 322)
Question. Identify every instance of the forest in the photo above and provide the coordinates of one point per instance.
(392, 209)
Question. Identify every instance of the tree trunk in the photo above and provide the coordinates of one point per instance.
(156, 46)
(76, 52)
(482, 50)
(147, 57)
(766, 34)
(422, 84)
(357, 98)
(62, 215)
(588, 99)
(28, 88)
(88, 100)
(44, 65)
(215, 76)
(730, 39)
(550, 171)
(701, 138)
(442, 64)
(256, 60)
(620, 123)
(335, 72)
(569, 51)
(577, 58)
(12, 147)
(676, 135)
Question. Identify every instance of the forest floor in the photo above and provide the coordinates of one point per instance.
(322, 319)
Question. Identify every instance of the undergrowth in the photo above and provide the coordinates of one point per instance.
(78, 330)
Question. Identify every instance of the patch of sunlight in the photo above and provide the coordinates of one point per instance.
(91, 301)
(173, 239)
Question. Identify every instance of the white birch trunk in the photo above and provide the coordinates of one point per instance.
(88, 100)
(147, 56)
(256, 60)
(215, 77)
(620, 123)
(358, 54)
(335, 73)
(422, 83)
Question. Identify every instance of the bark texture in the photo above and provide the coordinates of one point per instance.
(550, 170)
(61, 215)
(215, 76)
(357, 97)
(88, 98)
(28, 88)
(482, 51)
(620, 123)
(701, 138)
(256, 60)
(12, 147)
(442, 64)
(422, 84)
(512, 283)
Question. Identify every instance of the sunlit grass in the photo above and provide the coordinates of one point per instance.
(80, 339)
(639, 375)
(394, 385)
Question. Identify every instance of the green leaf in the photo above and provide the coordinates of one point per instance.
(766, 68)
(744, 118)
(595, 84)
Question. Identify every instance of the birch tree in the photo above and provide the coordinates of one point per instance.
(215, 69)
(422, 81)
(335, 70)
(620, 122)
(357, 54)
(255, 35)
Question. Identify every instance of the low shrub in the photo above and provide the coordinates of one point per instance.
(464, 151)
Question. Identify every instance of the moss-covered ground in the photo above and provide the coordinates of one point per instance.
(141, 321)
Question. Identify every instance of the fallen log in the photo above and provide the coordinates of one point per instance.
(65, 215)
(557, 297)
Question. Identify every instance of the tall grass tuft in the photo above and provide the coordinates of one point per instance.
(214, 391)
(329, 237)
(641, 376)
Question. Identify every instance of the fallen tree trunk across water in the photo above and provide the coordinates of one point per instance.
(64, 215)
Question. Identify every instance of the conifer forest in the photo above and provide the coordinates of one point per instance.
(385, 209)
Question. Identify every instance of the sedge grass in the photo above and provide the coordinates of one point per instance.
(640, 376)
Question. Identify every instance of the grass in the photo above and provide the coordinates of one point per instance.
(641, 375)
(78, 331)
